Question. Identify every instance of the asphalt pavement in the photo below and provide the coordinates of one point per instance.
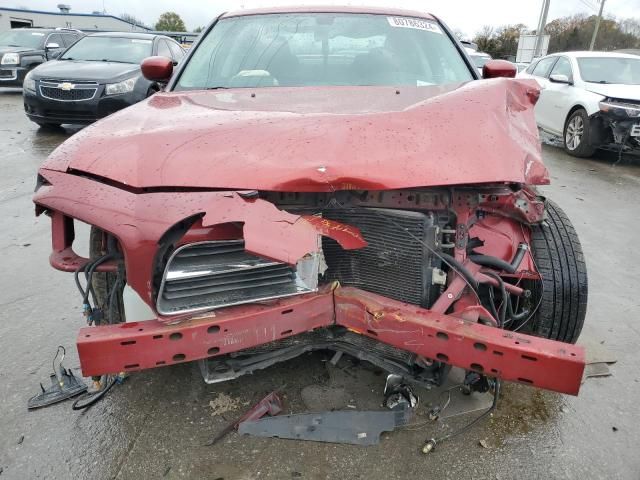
(155, 424)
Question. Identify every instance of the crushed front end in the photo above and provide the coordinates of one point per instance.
(414, 280)
(617, 125)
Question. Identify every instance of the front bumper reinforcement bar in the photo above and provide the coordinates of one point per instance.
(498, 353)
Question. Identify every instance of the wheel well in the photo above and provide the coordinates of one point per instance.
(573, 109)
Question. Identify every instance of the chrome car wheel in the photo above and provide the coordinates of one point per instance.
(573, 135)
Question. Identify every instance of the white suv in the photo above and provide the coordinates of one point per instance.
(591, 99)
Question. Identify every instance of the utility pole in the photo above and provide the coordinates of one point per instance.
(542, 22)
(595, 30)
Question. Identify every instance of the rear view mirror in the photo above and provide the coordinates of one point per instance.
(52, 45)
(499, 68)
(559, 78)
(157, 69)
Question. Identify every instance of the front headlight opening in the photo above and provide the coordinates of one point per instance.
(125, 86)
(10, 59)
(620, 108)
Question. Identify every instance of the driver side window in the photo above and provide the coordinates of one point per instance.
(55, 38)
(563, 67)
(543, 67)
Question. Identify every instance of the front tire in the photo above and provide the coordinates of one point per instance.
(562, 294)
(577, 135)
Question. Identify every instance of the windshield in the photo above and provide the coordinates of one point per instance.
(21, 38)
(323, 49)
(618, 70)
(479, 60)
(109, 49)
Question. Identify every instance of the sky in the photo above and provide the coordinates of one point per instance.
(468, 16)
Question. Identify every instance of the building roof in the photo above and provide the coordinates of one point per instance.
(98, 15)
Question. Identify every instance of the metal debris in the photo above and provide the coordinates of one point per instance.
(397, 394)
(269, 405)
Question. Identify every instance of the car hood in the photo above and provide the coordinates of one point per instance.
(85, 71)
(7, 49)
(627, 92)
(316, 138)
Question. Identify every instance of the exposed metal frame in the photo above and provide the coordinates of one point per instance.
(450, 339)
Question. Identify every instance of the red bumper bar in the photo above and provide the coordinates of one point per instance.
(511, 356)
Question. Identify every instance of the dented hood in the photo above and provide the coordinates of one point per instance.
(317, 138)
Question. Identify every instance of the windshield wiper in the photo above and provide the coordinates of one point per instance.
(217, 88)
(105, 60)
(604, 82)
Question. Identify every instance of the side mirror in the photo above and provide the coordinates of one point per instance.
(499, 68)
(157, 69)
(559, 78)
(51, 46)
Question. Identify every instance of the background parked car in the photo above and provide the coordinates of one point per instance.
(479, 59)
(591, 99)
(97, 76)
(23, 49)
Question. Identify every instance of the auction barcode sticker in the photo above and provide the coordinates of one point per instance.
(408, 22)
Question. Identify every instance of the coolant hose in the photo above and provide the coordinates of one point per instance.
(461, 269)
(499, 264)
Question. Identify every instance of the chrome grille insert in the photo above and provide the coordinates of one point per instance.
(68, 91)
(215, 274)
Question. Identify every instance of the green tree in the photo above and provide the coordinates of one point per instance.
(170, 22)
(500, 42)
(567, 34)
(574, 33)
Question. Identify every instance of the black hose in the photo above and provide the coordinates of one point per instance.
(92, 398)
(505, 299)
(462, 270)
(91, 271)
(491, 262)
(499, 264)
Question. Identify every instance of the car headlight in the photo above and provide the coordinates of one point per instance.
(124, 86)
(10, 59)
(620, 108)
(29, 83)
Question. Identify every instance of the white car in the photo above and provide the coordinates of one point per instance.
(478, 59)
(590, 99)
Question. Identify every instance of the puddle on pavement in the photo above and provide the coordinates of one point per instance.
(523, 410)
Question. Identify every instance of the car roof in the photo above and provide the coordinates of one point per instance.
(332, 9)
(140, 36)
(586, 53)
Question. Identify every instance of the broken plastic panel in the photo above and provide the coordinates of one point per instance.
(356, 428)
(64, 385)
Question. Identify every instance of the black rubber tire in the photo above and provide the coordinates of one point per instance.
(584, 148)
(103, 282)
(563, 297)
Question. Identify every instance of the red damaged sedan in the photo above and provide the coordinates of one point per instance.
(316, 178)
